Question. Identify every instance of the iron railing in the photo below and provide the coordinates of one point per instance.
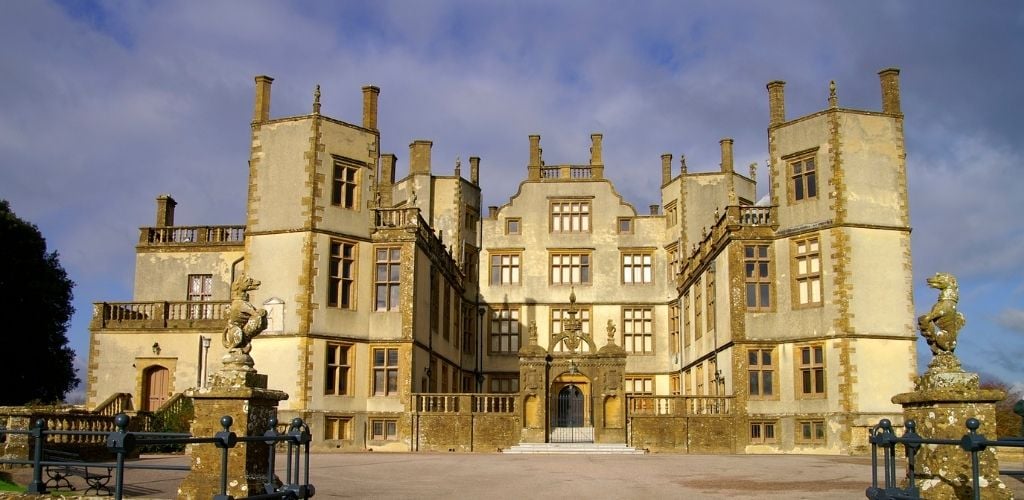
(883, 437)
(123, 442)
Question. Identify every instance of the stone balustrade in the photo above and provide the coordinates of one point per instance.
(465, 403)
(191, 236)
(135, 315)
(563, 172)
(679, 405)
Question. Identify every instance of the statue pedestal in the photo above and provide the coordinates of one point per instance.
(242, 395)
(945, 398)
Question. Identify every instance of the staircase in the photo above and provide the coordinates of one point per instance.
(573, 449)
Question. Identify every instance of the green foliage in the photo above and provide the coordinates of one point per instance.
(36, 292)
(7, 484)
(1008, 423)
(176, 418)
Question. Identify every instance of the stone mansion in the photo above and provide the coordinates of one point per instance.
(403, 316)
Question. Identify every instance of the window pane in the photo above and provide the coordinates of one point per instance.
(767, 379)
(769, 431)
(766, 357)
(392, 357)
(819, 381)
(754, 384)
(817, 355)
(812, 188)
(752, 357)
(392, 381)
(378, 382)
(806, 375)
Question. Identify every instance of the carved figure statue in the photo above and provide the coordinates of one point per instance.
(245, 321)
(941, 325)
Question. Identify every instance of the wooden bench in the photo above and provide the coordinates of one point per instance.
(58, 474)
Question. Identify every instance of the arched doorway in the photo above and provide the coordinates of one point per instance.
(156, 384)
(570, 407)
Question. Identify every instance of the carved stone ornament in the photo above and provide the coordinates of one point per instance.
(940, 328)
(245, 321)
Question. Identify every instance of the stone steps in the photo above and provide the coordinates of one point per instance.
(573, 449)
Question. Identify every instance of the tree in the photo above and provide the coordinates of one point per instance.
(36, 295)
(1008, 423)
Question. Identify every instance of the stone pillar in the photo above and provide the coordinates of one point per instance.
(610, 392)
(533, 392)
(245, 398)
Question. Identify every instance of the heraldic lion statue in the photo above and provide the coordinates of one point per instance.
(941, 325)
(244, 320)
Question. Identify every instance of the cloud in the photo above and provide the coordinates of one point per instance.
(1012, 319)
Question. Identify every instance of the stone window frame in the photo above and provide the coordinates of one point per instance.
(509, 335)
(803, 272)
(671, 214)
(672, 258)
(698, 380)
(204, 293)
(514, 267)
(625, 225)
(709, 296)
(812, 373)
(762, 431)
(688, 382)
(675, 384)
(584, 267)
(630, 270)
(673, 327)
(753, 264)
(698, 308)
(799, 178)
(385, 368)
(759, 369)
(338, 427)
(388, 429)
(346, 178)
(810, 431)
(517, 222)
(338, 280)
(338, 374)
(504, 383)
(391, 284)
(646, 382)
(630, 337)
(687, 326)
(576, 213)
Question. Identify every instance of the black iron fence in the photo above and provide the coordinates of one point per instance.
(885, 439)
(122, 442)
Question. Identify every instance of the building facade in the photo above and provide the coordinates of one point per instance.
(391, 298)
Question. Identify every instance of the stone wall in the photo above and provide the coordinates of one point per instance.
(683, 434)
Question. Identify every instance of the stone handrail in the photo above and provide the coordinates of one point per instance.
(396, 218)
(567, 172)
(159, 314)
(57, 418)
(117, 403)
(503, 403)
(191, 235)
(679, 405)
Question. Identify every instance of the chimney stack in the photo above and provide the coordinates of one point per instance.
(654, 209)
(387, 169)
(261, 109)
(370, 94)
(776, 102)
(165, 210)
(596, 163)
(474, 169)
(726, 154)
(534, 166)
(890, 79)
(666, 168)
(419, 157)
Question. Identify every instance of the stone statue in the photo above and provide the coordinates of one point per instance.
(941, 325)
(245, 321)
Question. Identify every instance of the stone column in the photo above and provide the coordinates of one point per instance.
(533, 393)
(251, 405)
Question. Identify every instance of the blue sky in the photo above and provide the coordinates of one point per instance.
(106, 104)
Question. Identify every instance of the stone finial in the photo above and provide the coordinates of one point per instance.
(458, 166)
(611, 332)
(682, 164)
(316, 100)
(833, 99)
(753, 171)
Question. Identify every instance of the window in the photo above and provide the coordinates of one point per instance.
(671, 214)
(755, 262)
(570, 216)
(761, 373)
(762, 432)
(385, 371)
(673, 327)
(383, 429)
(505, 330)
(805, 179)
(699, 380)
(709, 283)
(468, 346)
(810, 431)
(388, 277)
(337, 428)
(338, 364)
(808, 271)
(688, 383)
(673, 261)
(503, 383)
(435, 300)
(558, 317)
(625, 225)
(637, 330)
(200, 289)
(673, 382)
(570, 268)
(446, 327)
(640, 385)
(636, 267)
(686, 320)
(341, 275)
(505, 268)
(812, 371)
(698, 306)
(344, 183)
(512, 225)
